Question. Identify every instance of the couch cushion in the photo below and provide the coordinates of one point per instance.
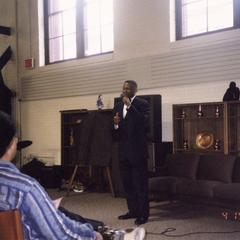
(229, 191)
(236, 170)
(183, 165)
(201, 188)
(216, 167)
(166, 184)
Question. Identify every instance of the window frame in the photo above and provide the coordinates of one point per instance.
(178, 24)
(80, 44)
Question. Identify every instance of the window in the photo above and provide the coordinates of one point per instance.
(77, 28)
(197, 17)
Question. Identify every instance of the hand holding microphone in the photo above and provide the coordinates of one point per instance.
(125, 99)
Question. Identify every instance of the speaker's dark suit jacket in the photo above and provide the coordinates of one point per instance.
(133, 129)
(133, 153)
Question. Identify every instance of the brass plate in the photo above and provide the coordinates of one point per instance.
(204, 140)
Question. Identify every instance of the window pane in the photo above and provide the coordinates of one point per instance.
(92, 42)
(200, 16)
(106, 12)
(190, 1)
(60, 5)
(220, 14)
(55, 49)
(69, 21)
(107, 38)
(194, 17)
(97, 28)
(86, 2)
(69, 42)
(98, 25)
(55, 25)
(91, 15)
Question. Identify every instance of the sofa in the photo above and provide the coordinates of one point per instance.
(202, 178)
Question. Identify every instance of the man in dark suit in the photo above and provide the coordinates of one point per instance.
(131, 124)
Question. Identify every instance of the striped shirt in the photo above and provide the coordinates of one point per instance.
(41, 220)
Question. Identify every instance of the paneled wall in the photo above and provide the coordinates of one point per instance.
(191, 70)
(203, 64)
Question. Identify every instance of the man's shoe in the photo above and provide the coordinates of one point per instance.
(126, 216)
(136, 234)
(141, 220)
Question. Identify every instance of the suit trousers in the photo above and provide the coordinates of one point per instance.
(135, 183)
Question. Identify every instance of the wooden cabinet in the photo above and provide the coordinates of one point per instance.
(233, 127)
(207, 127)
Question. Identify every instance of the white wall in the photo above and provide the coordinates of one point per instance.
(138, 27)
(142, 34)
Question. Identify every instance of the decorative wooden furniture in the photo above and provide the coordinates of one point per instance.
(11, 225)
(86, 141)
(207, 127)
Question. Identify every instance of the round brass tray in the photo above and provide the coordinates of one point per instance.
(204, 140)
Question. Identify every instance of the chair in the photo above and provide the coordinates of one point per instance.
(11, 225)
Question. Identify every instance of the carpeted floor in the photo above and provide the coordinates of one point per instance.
(190, 222)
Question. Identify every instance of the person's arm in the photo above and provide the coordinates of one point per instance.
(116, 119)
(238, 93)
(48, 222)
(226, 95)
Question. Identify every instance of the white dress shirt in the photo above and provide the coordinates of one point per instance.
(125, 109)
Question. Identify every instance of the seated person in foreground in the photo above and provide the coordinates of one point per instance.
(41, 220)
